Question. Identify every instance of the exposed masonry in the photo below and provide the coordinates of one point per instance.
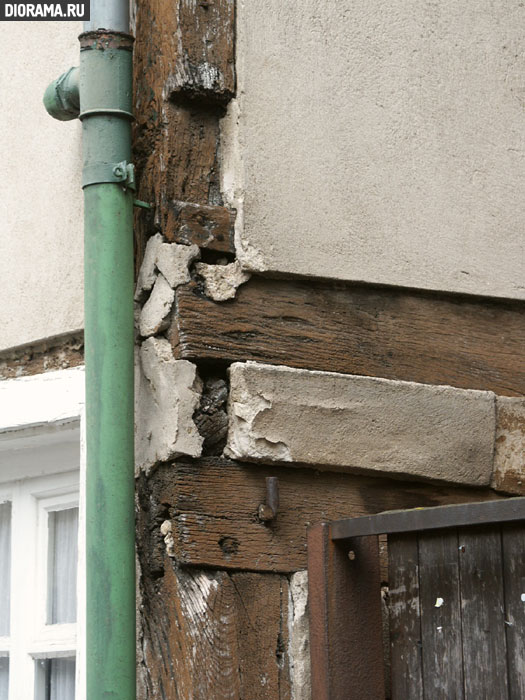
(354, 423)
(169, 391)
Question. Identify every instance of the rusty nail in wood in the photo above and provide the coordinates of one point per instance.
(268, 511)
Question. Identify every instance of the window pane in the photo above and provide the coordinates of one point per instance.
(4, 677)
(62, 576)
(5, 569)
(60, 679)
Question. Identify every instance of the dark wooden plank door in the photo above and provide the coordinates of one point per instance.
(462, 594)
(513, 546)
(483, 614)
(440, 616)
(405, 622)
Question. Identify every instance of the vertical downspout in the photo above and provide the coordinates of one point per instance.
(103, 87)
(105, 111)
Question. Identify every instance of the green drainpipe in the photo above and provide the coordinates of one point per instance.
(100, 94)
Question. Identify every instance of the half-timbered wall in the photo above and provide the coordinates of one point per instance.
(274, 161)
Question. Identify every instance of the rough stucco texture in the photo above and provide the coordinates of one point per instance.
(41, 244)
(354, 423)
(167, 393)
(381, 142)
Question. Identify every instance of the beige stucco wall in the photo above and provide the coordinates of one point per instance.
(381, 142)
(40, 195)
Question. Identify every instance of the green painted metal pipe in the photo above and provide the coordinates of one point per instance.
(105, 111)
(99, 93)
(61, 98)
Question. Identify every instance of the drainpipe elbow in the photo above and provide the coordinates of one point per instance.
(61, 98)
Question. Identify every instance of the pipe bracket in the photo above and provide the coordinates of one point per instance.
(103, 111)
(122, 173)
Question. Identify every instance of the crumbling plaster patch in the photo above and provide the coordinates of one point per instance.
(164, 268)
(154, 317)
(222, 281)
(147, 272)
(167, 394)
(166, 531)
(354, 423)
(299, 635)
(173, 261)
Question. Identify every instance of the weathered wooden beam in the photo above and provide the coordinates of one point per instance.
(396, 334)
(206, 226)
(182, 82)
(205, 634)
(214, 635)
(213, 506)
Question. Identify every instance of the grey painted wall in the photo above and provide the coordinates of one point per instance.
(41, 243)
(381, 142)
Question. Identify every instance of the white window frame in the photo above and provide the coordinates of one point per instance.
(42, 459)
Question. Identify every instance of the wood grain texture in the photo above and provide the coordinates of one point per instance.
(483, 614)
(513, 546)
(404, 615)
(345, 618)
(206, 226)
(184, 75)
(388, 333)
(207, 634)
(213, 504)
(440, 602)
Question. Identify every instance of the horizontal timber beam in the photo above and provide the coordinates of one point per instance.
(213, 505)
(205, 225)
(397, 334)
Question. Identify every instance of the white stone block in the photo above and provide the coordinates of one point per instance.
(354, 423)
